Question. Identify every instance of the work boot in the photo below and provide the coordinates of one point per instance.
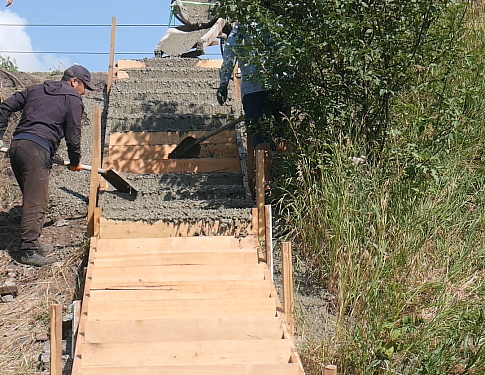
(45, 250)
(33, 258)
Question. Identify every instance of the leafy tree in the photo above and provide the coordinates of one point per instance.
(8, 64)
(342, 63)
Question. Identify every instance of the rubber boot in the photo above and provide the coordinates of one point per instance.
(33, 258)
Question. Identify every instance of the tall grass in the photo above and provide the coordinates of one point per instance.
(402, 249)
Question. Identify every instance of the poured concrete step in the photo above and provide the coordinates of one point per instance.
(163, 122)
(212, 107)
(181, 95)
(173, 72)
(160, 84)
(161, 62)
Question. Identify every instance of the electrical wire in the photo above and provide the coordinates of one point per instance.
(81, 25)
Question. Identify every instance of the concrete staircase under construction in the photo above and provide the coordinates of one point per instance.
(176, 282)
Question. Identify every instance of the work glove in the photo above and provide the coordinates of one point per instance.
(75, 168)
(222, 93)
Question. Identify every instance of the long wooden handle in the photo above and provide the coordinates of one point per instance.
(64, 162)
(229, 125)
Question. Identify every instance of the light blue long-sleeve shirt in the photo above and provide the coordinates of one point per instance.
(229, 61)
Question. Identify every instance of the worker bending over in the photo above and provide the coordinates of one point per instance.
(51, 111)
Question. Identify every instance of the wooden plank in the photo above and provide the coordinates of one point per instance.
(111, 55)
(287, 271)
(194, 289)
(187, 353)
(125, 229)
(246, 369)
(209, 64)
(166, 259)
(260, 186)
(179, 273)
(161, 152)
(330, 370)
(95, 164)
(196, 329)
(182, 309)
(206, 165)
(77, 360)
(130, 64)
(187, 290)
(173, 245)
(56, 339)
(163, 138)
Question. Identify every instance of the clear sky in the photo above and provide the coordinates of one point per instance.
(64, 40)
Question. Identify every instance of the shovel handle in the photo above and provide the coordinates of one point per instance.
(59, 161)
(229, 125)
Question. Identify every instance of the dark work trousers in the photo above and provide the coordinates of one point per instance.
(258, 106)
(31, 164)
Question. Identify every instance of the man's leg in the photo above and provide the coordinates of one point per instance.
(31, 165)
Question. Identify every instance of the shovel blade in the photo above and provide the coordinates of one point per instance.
(187, 149)
(119, 182)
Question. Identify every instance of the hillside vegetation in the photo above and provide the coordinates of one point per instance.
(384, 192)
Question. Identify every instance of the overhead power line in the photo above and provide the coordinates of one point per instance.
(81, 25)
(84, 53)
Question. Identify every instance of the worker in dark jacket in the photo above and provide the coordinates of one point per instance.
(51, 111)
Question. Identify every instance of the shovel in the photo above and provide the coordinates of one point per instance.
(110, 175)
(189, 148)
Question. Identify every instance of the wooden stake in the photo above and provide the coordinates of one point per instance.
(268, 238)
(111, 55)
(96, 164)
(330, 370)
(260, 191)
(76, 315)
(288, 300)
(251, 164)
(56, 339)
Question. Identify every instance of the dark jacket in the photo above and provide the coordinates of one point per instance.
(51, 111)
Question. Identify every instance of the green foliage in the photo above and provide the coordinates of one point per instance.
(398, 237)
(8, 64)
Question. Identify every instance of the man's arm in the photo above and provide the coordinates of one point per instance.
(228, 62)
(13, 104)
(73, 131)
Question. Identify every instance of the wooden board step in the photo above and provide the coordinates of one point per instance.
(177, 309)
(131, 246)
(195, 329)
(159, 274)
(246, 369)
(184, 290)
(183, 353)
(178, 258)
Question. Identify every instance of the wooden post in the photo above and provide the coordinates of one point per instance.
(250, 163)
(260, 191)
(268, 238)
(76, 315)
(237, 84)
(111, 55)
(95, 165)
(288, 301)
(330, 370)
(56, 339)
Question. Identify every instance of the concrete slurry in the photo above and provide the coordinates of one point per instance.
(170, 94)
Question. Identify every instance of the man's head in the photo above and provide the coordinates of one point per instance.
(79, 78)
